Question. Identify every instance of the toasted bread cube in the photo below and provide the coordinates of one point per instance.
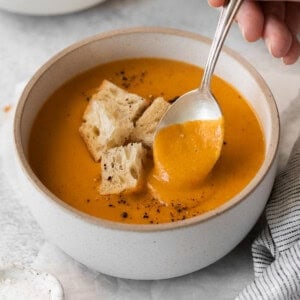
(122, 169)
(108, 118)
(146, 125)
(101, 130)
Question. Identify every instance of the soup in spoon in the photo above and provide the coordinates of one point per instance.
(184, 154)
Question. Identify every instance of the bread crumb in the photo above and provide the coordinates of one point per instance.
(146, 125)
(122, 169)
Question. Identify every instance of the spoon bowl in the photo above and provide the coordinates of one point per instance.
(195, 105)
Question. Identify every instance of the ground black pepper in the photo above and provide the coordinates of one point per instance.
(122, 201)
(124, 214)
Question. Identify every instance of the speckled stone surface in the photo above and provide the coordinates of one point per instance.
(26, 43)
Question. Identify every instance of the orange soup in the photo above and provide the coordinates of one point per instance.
(62, 162)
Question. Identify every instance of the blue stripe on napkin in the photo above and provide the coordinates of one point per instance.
(276, 252)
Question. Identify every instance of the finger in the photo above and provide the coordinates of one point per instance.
(292, 17)
(251, 20)
(275, 8)
(294, 52)
(216, 3)
(277, 36)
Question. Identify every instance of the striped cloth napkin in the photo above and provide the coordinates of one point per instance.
(276, 252)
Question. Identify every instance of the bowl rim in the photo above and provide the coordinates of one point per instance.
(96, 221)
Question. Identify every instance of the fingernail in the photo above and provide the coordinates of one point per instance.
(269, 45)
(242, 31)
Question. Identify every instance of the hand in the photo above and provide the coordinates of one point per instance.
(277, 22)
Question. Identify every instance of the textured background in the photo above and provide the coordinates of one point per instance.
(26, 43)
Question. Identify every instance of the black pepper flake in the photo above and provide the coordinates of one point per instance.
(111, 205)
(124, 214)
(124, 78)
(145, 216)
(224, 143)
(122, 72)
(109, 178)
(122, 201)
(88, 200)
(158, 210)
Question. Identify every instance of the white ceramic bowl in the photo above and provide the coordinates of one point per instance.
(46, 7)
(146, 251)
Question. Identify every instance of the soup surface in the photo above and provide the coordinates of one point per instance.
(61, 160)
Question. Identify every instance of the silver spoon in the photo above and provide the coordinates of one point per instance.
(200, 104)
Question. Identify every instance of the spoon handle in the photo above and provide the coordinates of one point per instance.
(225, 20)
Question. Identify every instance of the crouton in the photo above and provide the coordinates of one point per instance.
(109, 117)
(122, 169)
(146, 125)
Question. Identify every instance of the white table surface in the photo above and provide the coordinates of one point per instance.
(26, 42)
